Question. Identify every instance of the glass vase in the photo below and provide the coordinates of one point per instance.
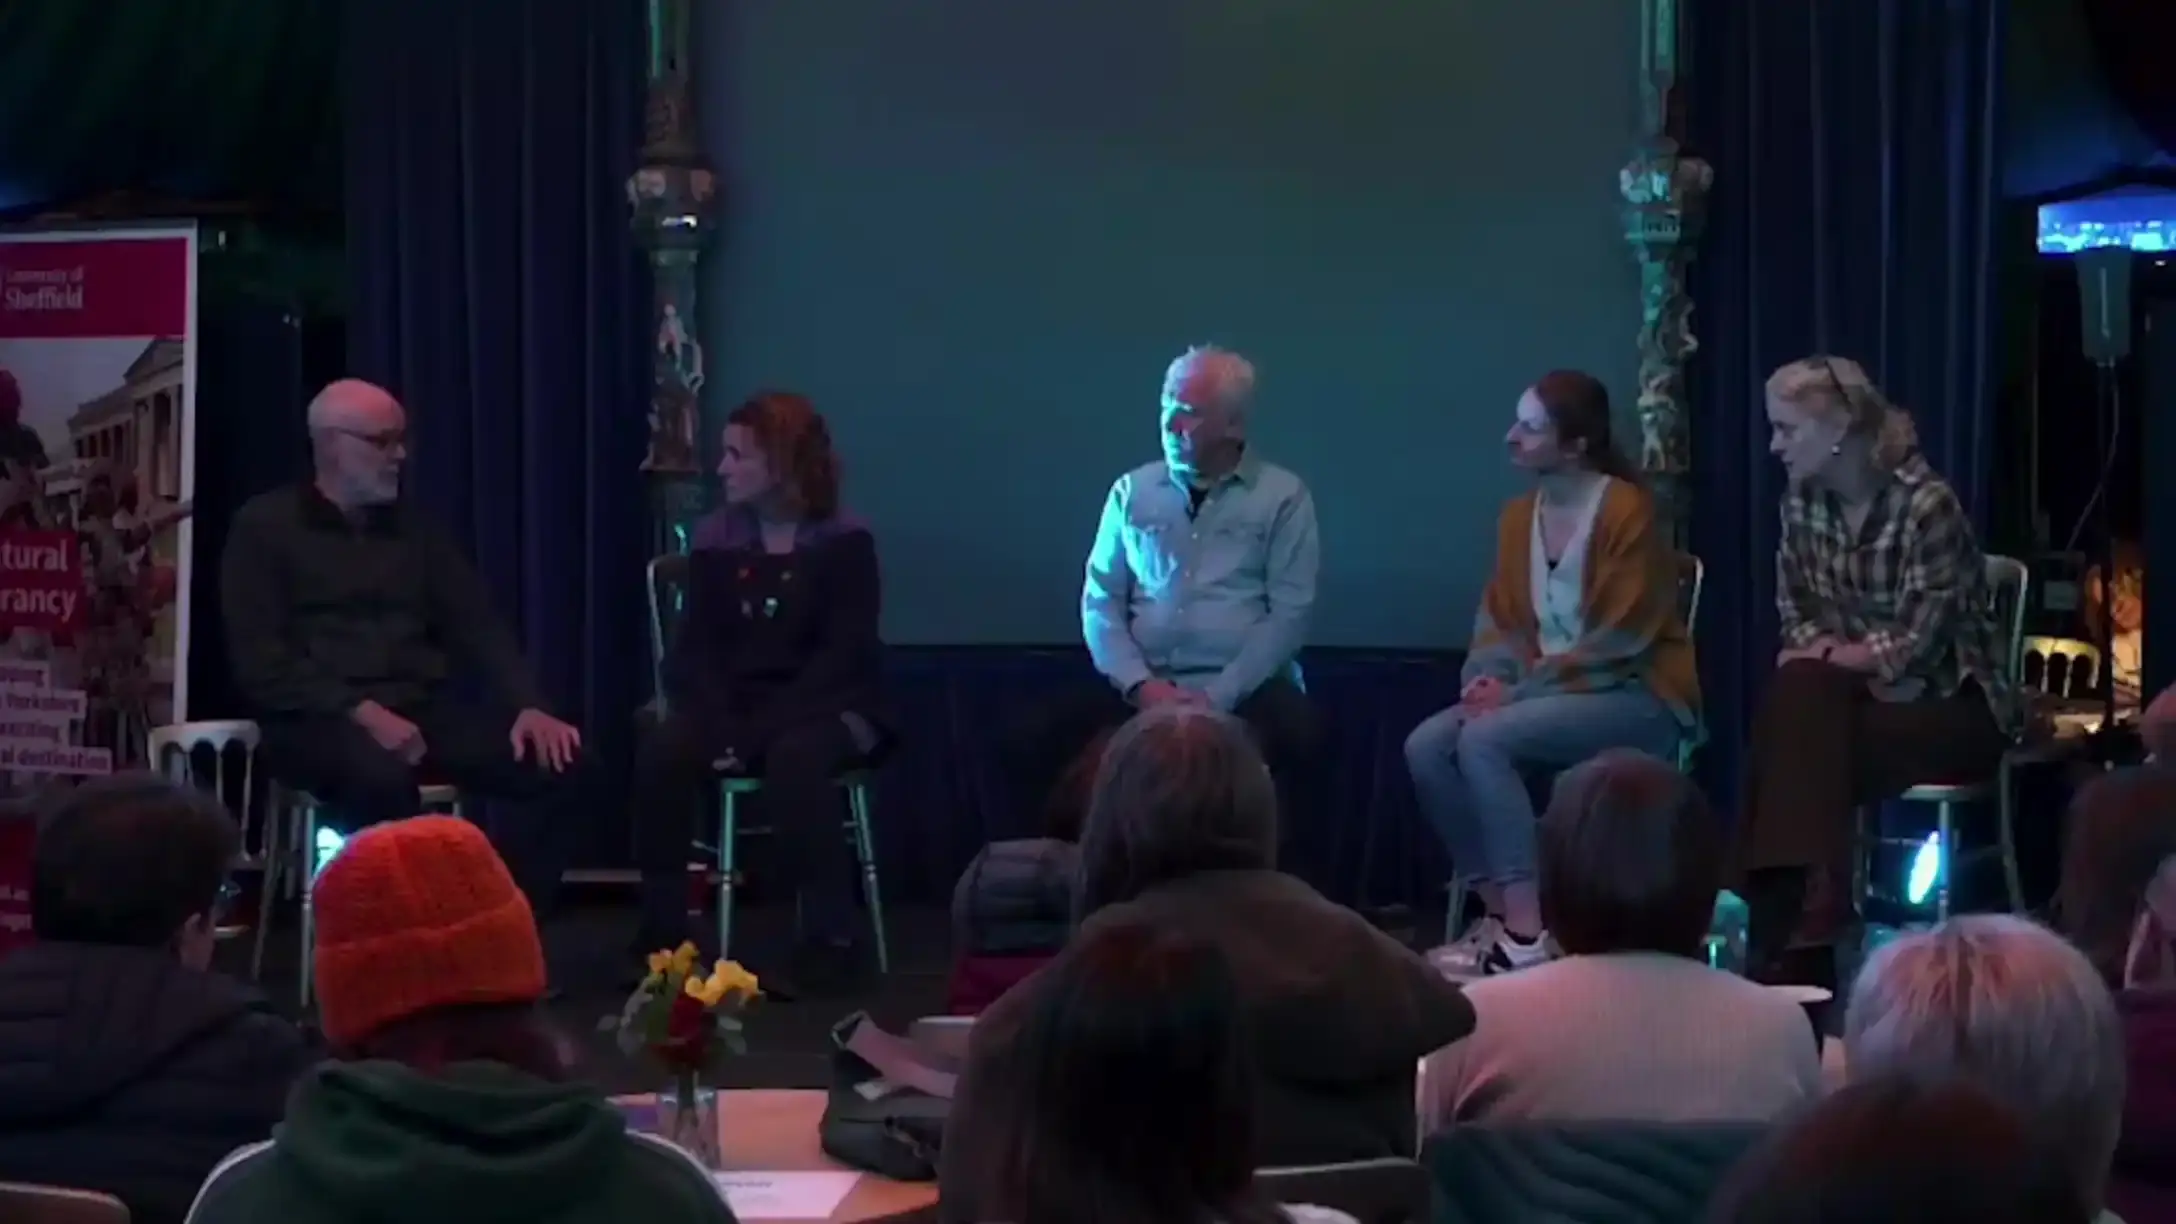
(687, 1116)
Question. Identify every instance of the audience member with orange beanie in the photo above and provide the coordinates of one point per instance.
(449, 1098)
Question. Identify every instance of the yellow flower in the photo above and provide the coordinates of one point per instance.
(733, 977)
(683, 958)
(726, 979)
(660, 962)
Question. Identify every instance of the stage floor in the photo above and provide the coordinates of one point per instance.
(587, 948)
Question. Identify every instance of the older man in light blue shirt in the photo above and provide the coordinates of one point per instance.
(1200, 582)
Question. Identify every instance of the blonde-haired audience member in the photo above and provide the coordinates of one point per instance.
(2008, 1003)
(450, 1098)
(1630, 1024)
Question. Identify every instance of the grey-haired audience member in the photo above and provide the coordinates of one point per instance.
(2012, 1005)
(1181, 837)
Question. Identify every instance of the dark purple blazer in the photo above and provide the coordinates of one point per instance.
(819, 657)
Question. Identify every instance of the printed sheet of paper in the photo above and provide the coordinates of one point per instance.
(786, 1196)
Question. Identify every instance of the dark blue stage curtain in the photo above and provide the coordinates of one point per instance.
(1854, 212)
(496, 288)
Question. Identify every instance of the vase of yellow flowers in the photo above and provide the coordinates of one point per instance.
(687, 1020)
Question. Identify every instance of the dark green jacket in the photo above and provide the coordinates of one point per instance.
(477, 1144)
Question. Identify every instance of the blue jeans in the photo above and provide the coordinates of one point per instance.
(1470, 769)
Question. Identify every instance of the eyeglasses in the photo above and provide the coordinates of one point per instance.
(386, 440)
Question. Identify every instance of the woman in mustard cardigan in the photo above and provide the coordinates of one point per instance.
(1577, 647)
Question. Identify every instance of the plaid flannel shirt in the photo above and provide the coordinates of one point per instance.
(1912, 587)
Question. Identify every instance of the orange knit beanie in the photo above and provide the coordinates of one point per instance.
(414, 915)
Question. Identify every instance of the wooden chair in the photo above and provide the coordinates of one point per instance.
(667, 590)
(2068, 667)
(2008, 584)
(288, 852)
(21, 1203)
(1390, 1190)
(174, 751)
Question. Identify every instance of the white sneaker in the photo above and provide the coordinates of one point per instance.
(1509, 955)
(1463, 954)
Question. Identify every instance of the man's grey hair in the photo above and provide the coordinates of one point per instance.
(2012, 1005)
(1182, 789)
(1227, 377)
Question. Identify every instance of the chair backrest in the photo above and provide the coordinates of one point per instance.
(666, 581)
(26, 1204)
(2008, 585)
(230, 746)
(1386, 1191)
(1692, 575)
(1595, 1172)
(2068, 667)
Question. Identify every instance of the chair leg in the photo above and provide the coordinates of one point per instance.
(271, 879)
(1457, 895)
(1944, 845)
(2004, 802)
(727, 827)
(857, 798)
(309, 889)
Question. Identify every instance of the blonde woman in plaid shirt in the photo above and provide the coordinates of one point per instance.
(1887, 674)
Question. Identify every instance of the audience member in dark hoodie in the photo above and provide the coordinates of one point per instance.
(125, 1065)
(1181, 835)
(1129, 1098)
(451, 1101)
(2117, 902)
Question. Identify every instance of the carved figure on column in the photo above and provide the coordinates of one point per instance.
(673, 196)
(1665, 195)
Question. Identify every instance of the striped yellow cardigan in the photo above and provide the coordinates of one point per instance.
(1634, 634)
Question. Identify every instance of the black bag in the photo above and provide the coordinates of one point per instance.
(888, 1102)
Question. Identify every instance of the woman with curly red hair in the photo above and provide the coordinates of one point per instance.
(776, 672)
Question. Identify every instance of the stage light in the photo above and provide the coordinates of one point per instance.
(1926, 870)
(2140, 219)
(329, 842)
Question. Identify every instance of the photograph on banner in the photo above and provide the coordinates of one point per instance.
(97, 425)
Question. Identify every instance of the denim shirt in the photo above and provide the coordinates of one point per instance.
(1216, 599)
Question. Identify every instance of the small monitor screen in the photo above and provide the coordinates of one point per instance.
(2140, 218)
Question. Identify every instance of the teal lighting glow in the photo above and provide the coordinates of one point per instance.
(2140, 219)
(1926, 871)
(329, 842)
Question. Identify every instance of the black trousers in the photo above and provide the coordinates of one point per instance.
(466, 746)
(1285, 723)
(675, 801)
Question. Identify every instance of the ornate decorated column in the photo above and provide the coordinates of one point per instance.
(672, 195)
(1665, 194)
